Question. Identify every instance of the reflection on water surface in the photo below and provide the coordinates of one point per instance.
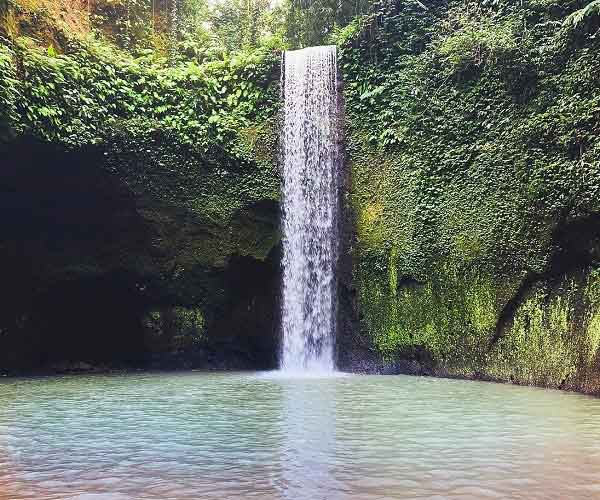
(238, 436)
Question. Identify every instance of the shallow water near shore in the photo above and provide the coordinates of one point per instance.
(257, 435)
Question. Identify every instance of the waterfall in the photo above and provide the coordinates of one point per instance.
(310, 209)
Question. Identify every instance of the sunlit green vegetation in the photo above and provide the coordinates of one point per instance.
(471, 134)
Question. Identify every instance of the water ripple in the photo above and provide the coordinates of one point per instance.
(244, 436)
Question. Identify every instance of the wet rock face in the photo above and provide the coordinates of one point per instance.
(87, 263)
(241, 332)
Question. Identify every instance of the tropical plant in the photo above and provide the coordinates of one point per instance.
(579, 16)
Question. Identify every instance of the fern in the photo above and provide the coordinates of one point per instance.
(580, 15)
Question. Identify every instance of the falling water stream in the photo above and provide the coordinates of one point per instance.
(310, 209)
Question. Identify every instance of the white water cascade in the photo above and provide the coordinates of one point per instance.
(310, 209)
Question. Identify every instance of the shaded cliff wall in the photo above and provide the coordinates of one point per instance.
(139, 209)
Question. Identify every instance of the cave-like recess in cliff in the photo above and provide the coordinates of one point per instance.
(80, 273)
(68, 228)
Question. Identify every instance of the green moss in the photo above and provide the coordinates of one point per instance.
(452, 316)
(173, 329)
(474, 40)
(553, 340)
(592, 298)
(537, 350)
(10, 92)
(188, 149)
(203, 206)
(471, 143)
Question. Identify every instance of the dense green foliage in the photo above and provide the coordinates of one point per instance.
(9, 94)
(79, 97)
(471, 136)
(182, 147)
(473, 139)
(308, 23)
(192, 137)
(182, 26)
(148, 112)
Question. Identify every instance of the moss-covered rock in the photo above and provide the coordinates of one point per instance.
(472, 141)
(140, 199)
(131, 181)
(553, 339)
